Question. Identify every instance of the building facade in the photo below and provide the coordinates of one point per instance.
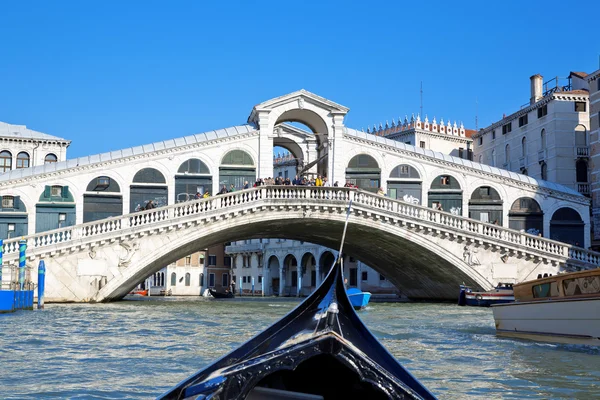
(293, 268)
(23, 148)
(546, 139)
(593, 80)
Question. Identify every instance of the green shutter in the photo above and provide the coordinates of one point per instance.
(47, 191)
(64, 192)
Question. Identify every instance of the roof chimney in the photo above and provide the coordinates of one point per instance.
(537, 82)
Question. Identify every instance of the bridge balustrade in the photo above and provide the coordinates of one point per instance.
(338, 196)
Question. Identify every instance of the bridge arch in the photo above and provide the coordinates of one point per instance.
(102, 198)
(445, 193)
(148, 184)
(364, 171)
(486, 205)
(236, 167)
(13, 216)
(567, 226)
(55, 208)
(405, 180)
(192, 176)
(526, 214)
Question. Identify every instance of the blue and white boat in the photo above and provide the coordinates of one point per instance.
(358, 299)
(502, 293)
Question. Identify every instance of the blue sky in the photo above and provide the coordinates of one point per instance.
(113, 74)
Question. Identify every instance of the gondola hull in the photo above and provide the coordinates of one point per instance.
(219, 295)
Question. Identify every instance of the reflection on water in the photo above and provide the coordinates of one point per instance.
(138, 349)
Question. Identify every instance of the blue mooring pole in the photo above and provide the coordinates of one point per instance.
(252, 286)
(1, 254)
(41, 283)
(22, 249)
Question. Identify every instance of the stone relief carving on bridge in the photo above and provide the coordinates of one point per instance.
(470, 256)
(130, 249)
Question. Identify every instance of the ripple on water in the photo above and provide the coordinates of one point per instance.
(138, 349)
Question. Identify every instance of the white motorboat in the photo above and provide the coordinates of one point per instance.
(563, 308)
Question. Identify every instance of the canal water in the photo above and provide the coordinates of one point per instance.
(138, 349)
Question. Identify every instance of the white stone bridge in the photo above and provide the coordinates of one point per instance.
(77, 214)
(425, 252)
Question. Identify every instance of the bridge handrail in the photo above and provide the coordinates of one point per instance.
(341, 194)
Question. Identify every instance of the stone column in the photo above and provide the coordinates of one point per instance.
(318, 273)
(265, 147)
(299, 288)
(281, 281)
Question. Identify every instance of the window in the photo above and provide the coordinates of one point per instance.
(580, 106)
(50, 158)
(260, 279)
(201, 260)
(22, 160)
(8, 202)
(225, 280)
(56, 191)
(585, 285)
(227, 261)
(404, 169)
(364, 276)
(244, 279)
(211, 280)
(493, 158)
(543, 136)
(188, 260)
(353, 276)
(381, 277)
(480, 140)
(188, 279)
(544, 171)
(507, 154)
(484, 191)
(484, 217)
(212, 260)
(493, 135)
(285, 174)
(173, 279)
(201, 280)
(506, 128)
(542, 111)
(461, 152)
(524, 171)
(5, 161)
(103, 181)
(445, 180)
(524, 147)
(523, 120)
(422, 144)
(549, 289)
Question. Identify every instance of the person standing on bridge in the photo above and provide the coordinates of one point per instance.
(149, 205)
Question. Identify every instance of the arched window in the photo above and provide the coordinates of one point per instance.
(507, 154)
(188, 279)
(173, 279)
(493, 158)
(5, 161)
(543, 137)
(480, 159)
(523, 147)
(201, 280)
(50, 158)
(22, 160)
(544, 171)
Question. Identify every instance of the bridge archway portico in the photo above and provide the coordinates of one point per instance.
(324, 117)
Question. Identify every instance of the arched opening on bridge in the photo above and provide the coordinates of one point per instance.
(309, 274)
(526, 214)
(55, 209)
(317, 125)
(364, 172)
(102, 199)
(486, 205)
(237, 168)
(290, 275)
(286, 163)
(273, 266)
(567, 226)
(193, 176)
(325, 263)
(445, 194)
(148, 184)
(405, 184)
(13, 217)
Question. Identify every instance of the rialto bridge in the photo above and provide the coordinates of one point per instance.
(79, 215)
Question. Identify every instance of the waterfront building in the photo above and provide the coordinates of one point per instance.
(547, 139)
(593, 80)
(294, 268)
(193, 274)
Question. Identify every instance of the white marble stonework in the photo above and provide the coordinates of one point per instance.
(115, 243)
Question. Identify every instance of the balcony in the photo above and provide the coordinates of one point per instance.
(523, 162)
(582, 152)
(583, 188)
(541, 155)
(245, 248)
